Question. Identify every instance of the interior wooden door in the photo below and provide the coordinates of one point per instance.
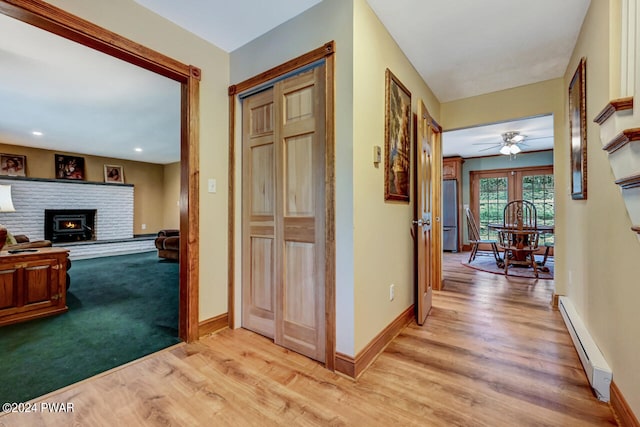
(423, 219)
(284, 213)
(258, 214)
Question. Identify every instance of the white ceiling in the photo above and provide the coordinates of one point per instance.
(461, 48)
(228, 24)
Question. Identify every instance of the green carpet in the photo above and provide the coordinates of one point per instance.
(120, 309)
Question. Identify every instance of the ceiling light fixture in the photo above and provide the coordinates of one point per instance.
(139, 150)
(510, 143)
(37, 133)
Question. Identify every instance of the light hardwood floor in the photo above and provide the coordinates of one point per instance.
(492, 353)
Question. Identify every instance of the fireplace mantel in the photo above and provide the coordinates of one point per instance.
(64, 181)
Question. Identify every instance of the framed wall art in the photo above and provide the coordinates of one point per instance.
(397, 140)
(69, 167)
(578, 131)
(113, 173)
(13, 165)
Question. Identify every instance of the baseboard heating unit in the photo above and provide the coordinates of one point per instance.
(595, 366)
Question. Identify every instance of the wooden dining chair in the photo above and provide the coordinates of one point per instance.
(519, 246)
(519, 236)
(476, 241)
(520, 214)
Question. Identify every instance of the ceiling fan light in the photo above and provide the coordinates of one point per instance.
(505, 150)
(517, 138)
(514, 149)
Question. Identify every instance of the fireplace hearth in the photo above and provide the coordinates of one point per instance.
(69, 225)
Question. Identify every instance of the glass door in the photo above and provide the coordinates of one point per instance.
(492, 190)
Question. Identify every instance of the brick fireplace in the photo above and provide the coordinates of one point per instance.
(113, 204)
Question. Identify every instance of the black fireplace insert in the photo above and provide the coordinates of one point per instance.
(69, 225)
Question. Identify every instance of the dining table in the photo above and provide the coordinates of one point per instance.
(540, 228)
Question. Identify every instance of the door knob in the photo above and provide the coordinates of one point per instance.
(428, 222)
(418, 222)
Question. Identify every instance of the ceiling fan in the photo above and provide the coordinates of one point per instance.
(510, 144)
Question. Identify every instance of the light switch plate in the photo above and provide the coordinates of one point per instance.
(212, 185)
(377, 154)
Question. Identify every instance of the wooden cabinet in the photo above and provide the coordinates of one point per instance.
(452, 168)
(32, 284)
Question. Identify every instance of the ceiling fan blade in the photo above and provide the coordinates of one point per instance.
(489, 148)
(497, 144)
(538, 137)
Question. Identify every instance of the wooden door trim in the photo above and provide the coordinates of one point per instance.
(327, 50)
(436, 270)
(64, 24)
(324, 52)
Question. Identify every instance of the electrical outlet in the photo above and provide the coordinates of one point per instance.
(144, 226)
(392, 292)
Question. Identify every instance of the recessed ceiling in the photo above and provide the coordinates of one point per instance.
(83, 101)
(486, 140)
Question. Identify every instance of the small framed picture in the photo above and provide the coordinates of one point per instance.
(13, 165)
(113, 173)
(69, 167)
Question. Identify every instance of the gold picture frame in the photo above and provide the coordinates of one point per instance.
(578, 131)
(397, 140)
(13, 165)
(113, 174)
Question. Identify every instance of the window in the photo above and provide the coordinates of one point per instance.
(492, 190)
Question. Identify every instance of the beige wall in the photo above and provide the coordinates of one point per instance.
(603, 276)
(171, 205)
(148, 195)
(129, 19)
(383, 247)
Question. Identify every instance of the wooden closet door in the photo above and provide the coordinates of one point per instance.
(300, 223)
(258, 214)
(284, 213)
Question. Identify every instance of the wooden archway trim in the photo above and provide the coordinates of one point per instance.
(64, 24)
(327, 52)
